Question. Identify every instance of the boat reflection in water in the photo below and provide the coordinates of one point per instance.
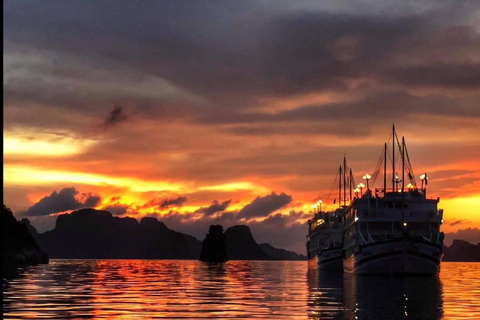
(350, 296)
(326, 294)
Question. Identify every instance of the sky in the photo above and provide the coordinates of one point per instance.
(235, 112)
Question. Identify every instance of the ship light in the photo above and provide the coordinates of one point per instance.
(424, 179)
(361, 186)
(357, 190)
(356, 219)
(404, 224)
(367, 177)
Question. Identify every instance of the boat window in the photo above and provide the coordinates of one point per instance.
(379, 226)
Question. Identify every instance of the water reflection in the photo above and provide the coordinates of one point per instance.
(155, 288)
(368, 297)
(338, 296)
(236, 289)
(59, 292)
(325, 295)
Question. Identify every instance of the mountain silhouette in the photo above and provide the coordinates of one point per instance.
(281, 254)
(19, 246)
(462, 251)
(95, 234)
(242, 246)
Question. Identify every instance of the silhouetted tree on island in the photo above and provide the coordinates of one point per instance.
(214, 248)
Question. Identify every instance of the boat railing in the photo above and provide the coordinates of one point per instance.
(413, 192)
(396, 214)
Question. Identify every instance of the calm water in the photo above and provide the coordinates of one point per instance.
(132, 289)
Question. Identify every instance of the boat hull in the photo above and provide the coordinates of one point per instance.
(403, 257)
(329, 260)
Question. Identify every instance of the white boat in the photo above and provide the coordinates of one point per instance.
(324, 245)
(393, 230)
(325, 230)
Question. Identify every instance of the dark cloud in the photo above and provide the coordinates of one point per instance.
(117, 209)
(214, 207)
(461, 76)
(397, 104)
(234, 53)
(178, 202)
(282, 230)
(60, 201)
(116, 116)
(92, 200)
(455, 222)
(263, 206)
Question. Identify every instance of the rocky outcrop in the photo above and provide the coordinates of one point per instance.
(462, 251)
(213, 247)
(94, 234)
(19, 246)
(281, 254)
(242, 246)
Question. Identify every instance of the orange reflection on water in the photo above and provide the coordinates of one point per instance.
(131, 289)
(461, 289)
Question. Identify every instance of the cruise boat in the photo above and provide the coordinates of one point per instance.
(325, 229)
(393, 230)
(324, 244)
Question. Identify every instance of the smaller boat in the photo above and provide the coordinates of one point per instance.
(324, 244)
(325, 229)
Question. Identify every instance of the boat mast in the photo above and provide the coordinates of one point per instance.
(393, 158)
(403, 164)
(385, 171)
(351, 184)
(344, 180)
(403, 181)
(340, 188)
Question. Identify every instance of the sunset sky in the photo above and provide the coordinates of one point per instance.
(235, 112)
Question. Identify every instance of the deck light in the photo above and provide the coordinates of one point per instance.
(367, 177)
(361, 186)
(357, 190)
(319, 203)
(424, 178)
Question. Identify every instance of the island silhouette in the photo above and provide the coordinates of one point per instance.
(19, 246)
(214, 248)
(96, 234)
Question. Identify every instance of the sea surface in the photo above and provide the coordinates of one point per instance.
(134, 289)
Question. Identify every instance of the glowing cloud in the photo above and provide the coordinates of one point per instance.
(25, 175)
(43, 144)
(228, 187)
